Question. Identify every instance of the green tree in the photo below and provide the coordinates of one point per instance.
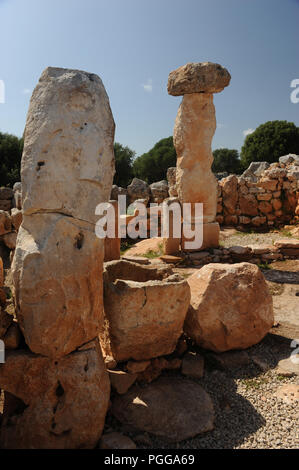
(152, 166)
(11, 148)
(124, 157)
(226, 160)
(269, 142)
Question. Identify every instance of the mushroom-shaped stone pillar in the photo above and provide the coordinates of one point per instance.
(193, 132)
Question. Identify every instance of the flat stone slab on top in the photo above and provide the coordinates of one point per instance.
(202, 77)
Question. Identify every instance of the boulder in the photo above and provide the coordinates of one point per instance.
(290, 158)
(202, 77)
(170, 408)
(231, 307)
(62, 404)
(255, 170)
(138, 189)
(137, 324)
(159, 191)
(118, 191)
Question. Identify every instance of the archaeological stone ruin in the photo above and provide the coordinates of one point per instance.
(111, 349)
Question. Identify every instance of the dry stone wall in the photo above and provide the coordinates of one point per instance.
(271, 199)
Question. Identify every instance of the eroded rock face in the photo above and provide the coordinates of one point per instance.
(231, 307)
(171, 408)
(138, 323)
(62, 404)
(202, 77)
(67, 170)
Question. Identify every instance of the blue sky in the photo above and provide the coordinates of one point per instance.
(134, 44)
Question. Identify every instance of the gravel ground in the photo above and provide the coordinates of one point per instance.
(248, 414)
(232, 237)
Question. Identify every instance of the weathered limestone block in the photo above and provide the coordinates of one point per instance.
(248, 204)
(68, 158)
(202, 77)
(138, 189)
(230, 193)
(231, 307)
(57, 271)
(159, 191)
(62, 404)
(255, 170)
(145, 309)
(67, 170)
(194, 129)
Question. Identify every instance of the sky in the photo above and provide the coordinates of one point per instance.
(133, 45)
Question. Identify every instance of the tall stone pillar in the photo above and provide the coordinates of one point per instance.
(193, 133)
(67, 170)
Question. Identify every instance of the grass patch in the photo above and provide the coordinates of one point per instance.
(264, 266)
(286, 233)
(151, 254)
(254, 383)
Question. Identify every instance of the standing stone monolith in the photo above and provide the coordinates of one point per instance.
(193, 133)
(67, 170)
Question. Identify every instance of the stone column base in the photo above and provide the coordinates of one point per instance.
(211, 233)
